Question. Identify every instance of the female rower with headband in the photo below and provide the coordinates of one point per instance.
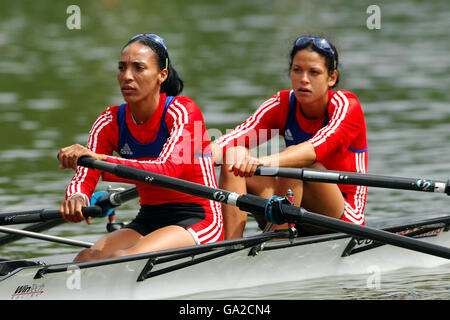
(154, 131)
(322, 128)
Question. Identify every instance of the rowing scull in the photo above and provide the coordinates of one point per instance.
(230, 264)
(238, 263)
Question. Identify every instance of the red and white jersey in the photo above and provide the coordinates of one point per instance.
(339, 138)
(185, 155)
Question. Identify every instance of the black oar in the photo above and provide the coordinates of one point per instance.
(114, 199)
(41, 215)
(103, 204)
(275, 211)
(352, 178)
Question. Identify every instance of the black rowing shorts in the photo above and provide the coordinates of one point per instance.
(154, 217)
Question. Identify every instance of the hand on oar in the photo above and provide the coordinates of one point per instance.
(71, 209)
(68, 157)
(241, 162)
(100, 209)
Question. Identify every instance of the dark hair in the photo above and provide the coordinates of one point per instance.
(173, 85)
(330, 62)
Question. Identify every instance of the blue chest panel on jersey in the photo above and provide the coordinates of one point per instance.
(130, 148)
(293, 134)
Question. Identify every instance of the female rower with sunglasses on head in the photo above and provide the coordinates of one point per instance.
(322, 128)
(154, 130)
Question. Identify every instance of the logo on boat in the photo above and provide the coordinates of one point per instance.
(431, 233)
(28, 291)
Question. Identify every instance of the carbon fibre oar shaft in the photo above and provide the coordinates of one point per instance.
(360, 179)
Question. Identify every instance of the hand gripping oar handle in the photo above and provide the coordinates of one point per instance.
(112, 199)
(360, 179)
(43, 215)
(274, 211)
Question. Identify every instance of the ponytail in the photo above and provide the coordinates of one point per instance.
(173, 85)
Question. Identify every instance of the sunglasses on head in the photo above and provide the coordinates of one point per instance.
(319, 43)
(155, 39)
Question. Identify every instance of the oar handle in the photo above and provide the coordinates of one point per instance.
(89, 211)
(43, 215)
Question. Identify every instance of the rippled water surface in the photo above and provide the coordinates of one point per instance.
(232, 55)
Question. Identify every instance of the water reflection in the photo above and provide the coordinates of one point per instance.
(405, 284)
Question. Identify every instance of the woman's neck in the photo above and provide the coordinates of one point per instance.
(144, 109)
(315, 109)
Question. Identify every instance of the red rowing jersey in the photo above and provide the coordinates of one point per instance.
(185, 154)
(339, 138)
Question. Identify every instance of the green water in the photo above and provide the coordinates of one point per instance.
(232, 55)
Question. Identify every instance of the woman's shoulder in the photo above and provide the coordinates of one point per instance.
(109, 113)
(107, 118)
(346, 102)
(184, 101)
(284, 92)
(110, 110)
(105, 126)
(345, 96)
(282, 95)
(184, 106)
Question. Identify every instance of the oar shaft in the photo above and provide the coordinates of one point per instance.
(365, 232)
(117, 198)
(111, 200)
(35, 227)
(148, 177)
(282, 212)
(290, 213)
(28, 216)
(114, 199)
(249, 203)
(361, 179)
(41, 236)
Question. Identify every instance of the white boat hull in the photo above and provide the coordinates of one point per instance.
(232, 271)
